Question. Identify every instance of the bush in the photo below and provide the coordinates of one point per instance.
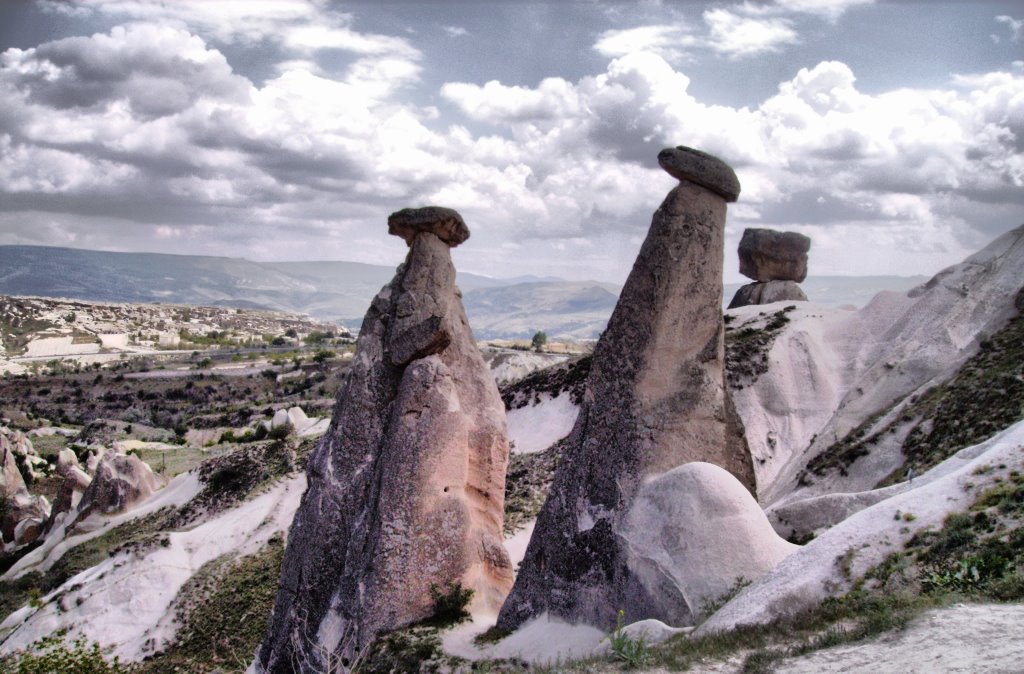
(449, 605)
(280, 432)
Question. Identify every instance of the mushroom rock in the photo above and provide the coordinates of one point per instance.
(776, 261)
(406, 489)
(656, 399)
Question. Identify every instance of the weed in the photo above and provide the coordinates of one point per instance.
(631, 652)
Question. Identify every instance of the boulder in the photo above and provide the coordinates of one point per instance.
(120, 481)
(693, 534)
(655, 399)
(406, 488)
(766, 293)
(23, 514)
(769, 255)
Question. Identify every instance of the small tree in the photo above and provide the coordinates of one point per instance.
(540, 338)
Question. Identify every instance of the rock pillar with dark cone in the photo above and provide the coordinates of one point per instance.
(656, 398)
(406, 489)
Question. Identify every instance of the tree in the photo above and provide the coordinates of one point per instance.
(540, 338)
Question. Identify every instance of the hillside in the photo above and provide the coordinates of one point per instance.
(341, 291)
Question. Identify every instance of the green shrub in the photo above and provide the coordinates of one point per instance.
(53, 655)
(449, 603)
(280, 432)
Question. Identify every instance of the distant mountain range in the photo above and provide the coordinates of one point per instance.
(341, 291)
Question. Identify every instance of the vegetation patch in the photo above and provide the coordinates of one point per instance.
(222, 612)
(527, 482)
(53, 654)
(136, 535)
(569, 378)
(747, 346)
(233, 477)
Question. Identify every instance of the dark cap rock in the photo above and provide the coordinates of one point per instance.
(770, 255)
(445, 223)
(685, 163)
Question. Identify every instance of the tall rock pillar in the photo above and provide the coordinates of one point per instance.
(407, 488)
(656, 398)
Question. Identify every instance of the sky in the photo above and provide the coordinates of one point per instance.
(891, 133)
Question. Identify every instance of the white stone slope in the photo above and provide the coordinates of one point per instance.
(826, 565)
(124, 603)
(694, 532)
(508, 365)
(830, 370)
(536, 426)
(178, 491)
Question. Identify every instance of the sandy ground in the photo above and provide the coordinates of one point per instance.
(962, 638)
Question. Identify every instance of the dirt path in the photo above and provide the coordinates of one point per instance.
(962, 638)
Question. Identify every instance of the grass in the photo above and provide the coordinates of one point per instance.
(223, 612)
(527, 481)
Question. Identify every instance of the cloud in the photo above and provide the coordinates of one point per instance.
(313, 158)
(315, 37)
(829, 9)
(229, 22)
(1016, 27)
(666, 41)
(739, 36)
(129, 65)
(906, 158)
(455, 31)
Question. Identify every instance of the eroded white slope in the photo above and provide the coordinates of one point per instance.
(864, 539)
(535, 427)
(832, 370)
(123, 603)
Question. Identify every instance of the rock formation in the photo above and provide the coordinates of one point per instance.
(406, 489)
(655, 399)
(74, 482)
(675, 534)
(22, 515)
(120, 480)
(777, 262)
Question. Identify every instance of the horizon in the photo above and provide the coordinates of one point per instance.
(888, 132)
(540, 279)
